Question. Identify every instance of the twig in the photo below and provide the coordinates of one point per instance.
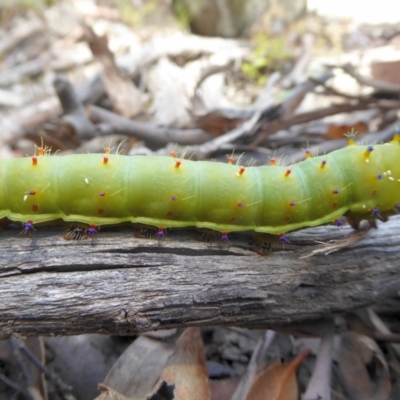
(63, 389)
(154, 136)
(376, 84)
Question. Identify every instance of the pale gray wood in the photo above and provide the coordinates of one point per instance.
(117, 284)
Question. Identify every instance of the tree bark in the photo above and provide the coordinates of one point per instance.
(117, 284)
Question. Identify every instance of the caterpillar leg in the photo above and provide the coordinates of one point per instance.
(264, 243)
(149, 233)
(76, 232)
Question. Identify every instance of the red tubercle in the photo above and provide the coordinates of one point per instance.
(230, 160)
(107, 150)
(232, 219)
(240, 204)
(178, 163)
(272, 162)
(34, 160)
(287, 219)
(241, 171)
(100, 211)
(102, 194)
(173, 154)
(105, 160)
(35, 208)
(169, 214)
(292, 204)
(334, 205)
(288, 172)
(41, 151)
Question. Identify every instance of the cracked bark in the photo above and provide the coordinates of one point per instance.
(116, 284)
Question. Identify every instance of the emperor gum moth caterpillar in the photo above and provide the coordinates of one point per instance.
(359, 181)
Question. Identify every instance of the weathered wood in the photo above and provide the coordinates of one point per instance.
(116, 284)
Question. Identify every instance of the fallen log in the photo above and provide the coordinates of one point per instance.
(117, 284)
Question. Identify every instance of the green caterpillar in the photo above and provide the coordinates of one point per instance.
(360, 182)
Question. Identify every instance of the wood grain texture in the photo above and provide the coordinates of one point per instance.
(116, 284)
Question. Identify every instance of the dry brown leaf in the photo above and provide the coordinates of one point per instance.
(126, 98)
(185, 370)
(139, 367)
(363, 368)
(278, 381)
(223, 389)
(110, 394)
(336, 131)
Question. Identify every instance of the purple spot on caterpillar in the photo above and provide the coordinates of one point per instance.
(174, 198)
(282, 238)
(31, 192)
(160, 232)
(224, 237)
(397, 207)
(27, 226)
(91, 230)
(240, 204)
(292, 203)
(379, 176)
(375, 211)
(102, 194)
(338, 223)
(335, 191)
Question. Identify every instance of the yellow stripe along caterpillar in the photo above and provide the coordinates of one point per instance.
(359, 181)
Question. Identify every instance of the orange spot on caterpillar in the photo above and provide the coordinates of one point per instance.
(288, 172)
(100, 211)
(292, 203)
(173, 154)
(308, 153)
(334, 205)
(169, 213)
(230, 160)
(286, 219)
(272, 162)
(107, 150)
(374, 193)
(41, 151)
(233, 219)
(105, 160)
(102, 194)
(368, 152)
(178, 163)
(34, 160)
(240, 204)
(322, 165)
(241, 171)
(35, 207)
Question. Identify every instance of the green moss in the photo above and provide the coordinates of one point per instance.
(269, 54)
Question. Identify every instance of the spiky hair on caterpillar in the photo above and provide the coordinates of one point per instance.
(358, 182)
